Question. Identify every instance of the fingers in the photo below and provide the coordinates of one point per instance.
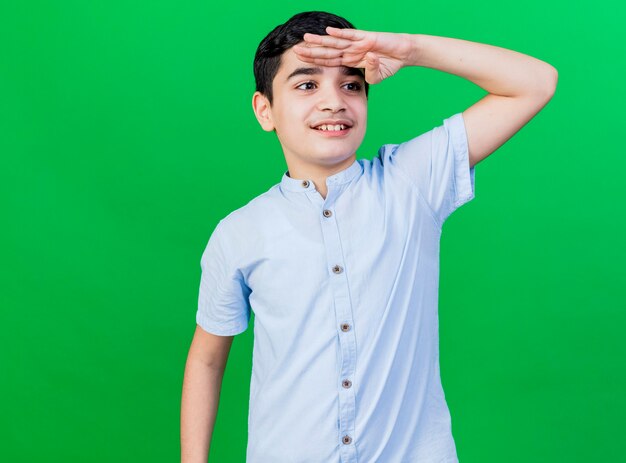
(326, 41)
(330, 50)
(371, 65)
(352, 34)
(322, 56)
(372, 60)
(317, 52)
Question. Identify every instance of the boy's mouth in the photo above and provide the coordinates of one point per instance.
(332, 128)
(333, 132)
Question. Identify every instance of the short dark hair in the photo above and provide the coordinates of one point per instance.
(284, 36)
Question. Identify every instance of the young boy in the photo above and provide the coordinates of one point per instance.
(340, 259)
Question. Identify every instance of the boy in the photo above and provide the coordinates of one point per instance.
(340, 260)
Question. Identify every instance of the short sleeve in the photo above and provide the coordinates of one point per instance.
(223, 304)
(437, 163)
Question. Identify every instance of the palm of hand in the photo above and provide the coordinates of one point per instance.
(382, 54)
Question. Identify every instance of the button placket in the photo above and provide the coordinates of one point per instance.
(347, 339)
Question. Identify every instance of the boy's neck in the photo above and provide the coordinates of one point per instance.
(318, 174)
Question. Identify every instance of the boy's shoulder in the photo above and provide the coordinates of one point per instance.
(255, 211)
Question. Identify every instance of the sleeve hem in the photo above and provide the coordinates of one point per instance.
(220, 329)
(464, 182)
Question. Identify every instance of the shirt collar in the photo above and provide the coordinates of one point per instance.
(303, 185)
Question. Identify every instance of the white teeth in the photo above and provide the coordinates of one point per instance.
(331, 127)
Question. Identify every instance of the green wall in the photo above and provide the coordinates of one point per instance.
(127, 132)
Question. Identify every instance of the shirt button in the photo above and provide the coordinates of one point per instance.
(345, 327)
(305, 183)
(337, 269)
(327, 213)
(346, 439)
(346, 383)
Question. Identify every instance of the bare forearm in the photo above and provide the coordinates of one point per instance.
(497, 70)
(200, 399)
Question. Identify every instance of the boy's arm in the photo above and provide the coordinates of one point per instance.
(518, 85)
(202, 383)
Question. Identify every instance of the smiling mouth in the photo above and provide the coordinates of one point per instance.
(331, 127)
(332, 130)
(333, 133)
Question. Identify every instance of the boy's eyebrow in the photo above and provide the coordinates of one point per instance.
(308, 71)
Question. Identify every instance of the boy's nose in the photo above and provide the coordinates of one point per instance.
(330, 98)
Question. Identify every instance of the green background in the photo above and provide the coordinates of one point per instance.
(127, 132)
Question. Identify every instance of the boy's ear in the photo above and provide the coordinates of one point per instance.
(262, 111)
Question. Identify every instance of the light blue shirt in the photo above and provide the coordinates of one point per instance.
(345, 294)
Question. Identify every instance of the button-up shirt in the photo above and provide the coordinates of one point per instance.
(344, 291)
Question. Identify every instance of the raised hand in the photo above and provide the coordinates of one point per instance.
(382, 54)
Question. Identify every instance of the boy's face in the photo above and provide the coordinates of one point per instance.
(302, 101)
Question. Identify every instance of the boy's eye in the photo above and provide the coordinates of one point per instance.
(355, 86)
(305, 83)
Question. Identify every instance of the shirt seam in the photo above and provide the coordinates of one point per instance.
(461, 154)
(212, 325)
(421, 196)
